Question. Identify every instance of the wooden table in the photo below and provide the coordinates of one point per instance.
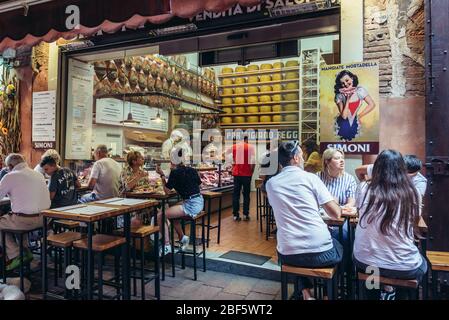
(163, 199)
(90, 219)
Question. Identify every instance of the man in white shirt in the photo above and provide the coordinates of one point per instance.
(29, 196)
(104, 177)
(296, 196)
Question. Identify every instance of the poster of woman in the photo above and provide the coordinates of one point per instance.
(349, 104)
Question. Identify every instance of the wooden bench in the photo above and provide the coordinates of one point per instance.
(410, 284)
(64, 239)
(66, 224)
(329, 275)
(100, 242)
(439, 262)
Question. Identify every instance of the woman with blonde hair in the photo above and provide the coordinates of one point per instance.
(133, 177)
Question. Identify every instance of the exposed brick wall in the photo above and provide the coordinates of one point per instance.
(394, 35)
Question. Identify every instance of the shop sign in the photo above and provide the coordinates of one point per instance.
(262, 135)
(268, 8)
(44, 145)
(349, 107)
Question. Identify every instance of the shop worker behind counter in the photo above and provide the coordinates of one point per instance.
(104, 178)
(29, 195)
(296, 196)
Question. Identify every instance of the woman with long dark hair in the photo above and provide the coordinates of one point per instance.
(312, 157)
(389, 208)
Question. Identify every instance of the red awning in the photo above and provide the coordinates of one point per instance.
(48, 21)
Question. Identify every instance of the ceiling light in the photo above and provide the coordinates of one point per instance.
(129, 120)
(158, 118)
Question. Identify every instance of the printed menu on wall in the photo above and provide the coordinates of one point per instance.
(79, 110)
(44, 120)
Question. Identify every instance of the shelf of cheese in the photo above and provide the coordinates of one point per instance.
(253, 84)
(258, 72)
(258, 93)
(260, 124)
(258, 113)
(257, 103)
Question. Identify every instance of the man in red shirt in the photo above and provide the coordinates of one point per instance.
(243, 155)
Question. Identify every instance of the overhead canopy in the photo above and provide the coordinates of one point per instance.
(51, 20)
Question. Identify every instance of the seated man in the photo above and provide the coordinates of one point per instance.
(296, 196)
(104, 178)
(62, 185)
(29, 195)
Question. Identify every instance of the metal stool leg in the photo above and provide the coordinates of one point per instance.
(219, 220)
(100, 276)
(142, 267)
(209, 201)
(21, 262)
(284, 285)
(134, 267)
(172, 229)
(157, 288)
(4, 257)
(183, 256)
(193, 224)
(204, 246)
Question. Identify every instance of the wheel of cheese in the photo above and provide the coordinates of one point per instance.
(253, 79)
(240, 69)
(252, 119)
(226, 101)
(239, 119)
(227, 110)
(265, 78)
(226, 120)
(239, 90)
(276, 97)
(276, 108)
(277, 87)
(253, 89)
(277, 118)
(278, 65)
(253, 67)
(227, 91)
(240, 80)
(252, 109)
(265, 108)
(292, 75)
(292, 63)
(276, 76)
(265, 88)
(290, 97)
(266, 66)
(239, 100)
(226, 70)
(265, 98)
(292, 86)
(252, 99)
(227, 82)
(291, 107)
(291, 117)
(265, 118)
(239, 110)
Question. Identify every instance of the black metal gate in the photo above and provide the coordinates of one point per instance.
(437, 122)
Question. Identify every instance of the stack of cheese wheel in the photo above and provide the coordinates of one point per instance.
(290, 107)
(240, 69)
(239, 100)
(292, 86)
(266, 66)
(291, 97)
(266, 108)
(253, 67)
(239, 119)
(276, 108)
(252, 119)
(252, 99)
(227, 82)
(227, 101)
(227, 91)
(240, 80)
(239, 109)
(265, 118)
(253, 89)
(226, 120)
(276, 97)
(276, 76)
(239, 90)
(277, 118)
(252, 109)
(264, 98)
(277, 87)
(253, 79)
(227, 70)
(291, 75)
(291, 63)
(265, 78)
(291, 117)
(266, 88)
(278, 65)
(227, 110)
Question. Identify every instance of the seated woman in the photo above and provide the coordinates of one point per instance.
(389, 207)
(186, 181)
(313, 162)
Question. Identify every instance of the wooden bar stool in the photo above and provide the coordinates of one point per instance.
(439, 262)
(329, 275)
(102, 243)
(65, 225)
(209, 196)
(193, 224)
(410, 285)
(20, 235)
(63, 241)
(141, 233)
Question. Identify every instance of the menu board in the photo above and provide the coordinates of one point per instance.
(44, 119)
(79, 110)
(110, 111)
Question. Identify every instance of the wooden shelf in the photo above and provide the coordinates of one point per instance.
(255, 73)
(258, 83)
(256, 104)
(258, 113)
(259, 123)
(259, 93)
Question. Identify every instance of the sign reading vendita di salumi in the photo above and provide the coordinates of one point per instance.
(349, 107)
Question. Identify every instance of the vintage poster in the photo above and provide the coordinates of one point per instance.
(349, 107)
